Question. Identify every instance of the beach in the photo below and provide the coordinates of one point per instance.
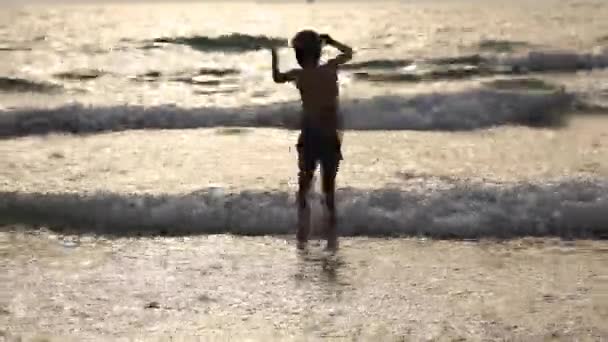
(148, 173)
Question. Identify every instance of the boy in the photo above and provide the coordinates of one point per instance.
(319, 139)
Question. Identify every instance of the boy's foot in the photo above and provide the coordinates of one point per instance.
(303, 231)
(301, 245)
(332, 244)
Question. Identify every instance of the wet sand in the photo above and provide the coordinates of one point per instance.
(261, 288)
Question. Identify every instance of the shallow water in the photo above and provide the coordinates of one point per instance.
(258, 288)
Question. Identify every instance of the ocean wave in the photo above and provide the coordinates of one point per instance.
(466, 110)
(591, 108)
(391, 64)
(217, 71)
(150, 76)
(80, 75)
(378, 64)
(568, 209)
(198, 81)
(450, 73)
(186, 76)
(236, 42)
(13, 84)
(521, 83)
(497, 45)
(216, 91)
(462, 67)
(465, 60)
(12, 48)
(547, 61)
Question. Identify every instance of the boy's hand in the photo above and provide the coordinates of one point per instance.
(326, 39)
(346, 51)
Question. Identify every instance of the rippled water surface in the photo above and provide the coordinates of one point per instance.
(202, 54)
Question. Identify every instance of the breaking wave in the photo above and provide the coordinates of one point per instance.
(185, 76)
(466, 60)
(20, 85)
(451, 73)
(467, 110)
(80, 75)
(540, 61)
(217, 71)
(463, 67)
(235, 42)
(10, 48)
(378, 64)
(502, 45)
(567, 209)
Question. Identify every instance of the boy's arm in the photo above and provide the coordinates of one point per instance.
(278, 76)
(346, 51)
(340, 126)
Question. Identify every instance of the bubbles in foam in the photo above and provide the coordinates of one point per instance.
(567, 209)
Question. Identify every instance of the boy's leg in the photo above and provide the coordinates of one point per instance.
(329, 171)
(304, 183)
(306, 167)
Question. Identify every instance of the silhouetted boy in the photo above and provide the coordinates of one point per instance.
(319, 140)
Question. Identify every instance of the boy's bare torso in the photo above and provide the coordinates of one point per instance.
(319, 92)
(318, 86)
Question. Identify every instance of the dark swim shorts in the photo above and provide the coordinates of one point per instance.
(317, 146)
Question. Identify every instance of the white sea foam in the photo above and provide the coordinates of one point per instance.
(567, 209)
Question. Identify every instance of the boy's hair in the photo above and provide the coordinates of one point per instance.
(307, 46)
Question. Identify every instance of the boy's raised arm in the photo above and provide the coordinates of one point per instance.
(278, 76)
(346, 51)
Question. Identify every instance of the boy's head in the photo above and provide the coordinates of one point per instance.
(307, 46)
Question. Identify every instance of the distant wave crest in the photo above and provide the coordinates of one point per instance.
(463, 67)
(80, 75)
(20, 85)
(14, 48)
(500, 45)
(235, 42)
